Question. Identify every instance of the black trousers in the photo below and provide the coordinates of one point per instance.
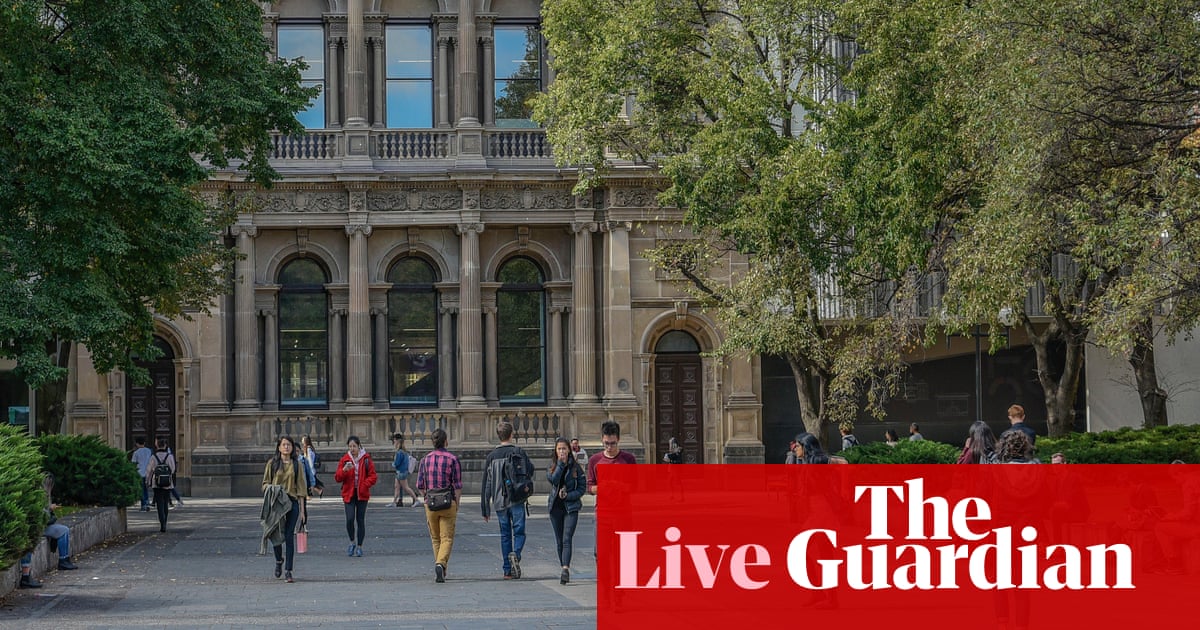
(162, 497)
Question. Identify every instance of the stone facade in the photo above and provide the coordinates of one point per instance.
(464, 197)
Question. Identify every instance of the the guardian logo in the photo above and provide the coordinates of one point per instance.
(974, 556)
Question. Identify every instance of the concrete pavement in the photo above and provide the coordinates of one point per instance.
(204, 573)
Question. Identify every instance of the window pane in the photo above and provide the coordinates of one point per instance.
(518, 75)
(411, 271)
(518, 52)
(409, 52)
(303, 348)
(520, 374)
(520, 332)
(677, 341)
(410, 104)
(412, 345)
(520, 271)
(302, 271)
(307, 42)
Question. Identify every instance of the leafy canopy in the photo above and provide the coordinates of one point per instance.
(111, 113)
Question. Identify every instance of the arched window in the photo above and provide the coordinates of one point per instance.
(677, 342)
(412, 333)
(303, 334)
(521, 332)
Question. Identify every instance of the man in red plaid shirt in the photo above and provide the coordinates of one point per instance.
(440, 469)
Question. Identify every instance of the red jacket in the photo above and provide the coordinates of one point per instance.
(365, 480)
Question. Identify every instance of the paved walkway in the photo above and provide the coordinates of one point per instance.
(204, 573)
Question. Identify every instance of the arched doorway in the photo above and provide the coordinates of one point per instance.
(151, 408)
(679, 395)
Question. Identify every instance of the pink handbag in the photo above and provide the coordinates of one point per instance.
(302, 541)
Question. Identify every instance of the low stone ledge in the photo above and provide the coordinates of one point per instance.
(88, 528)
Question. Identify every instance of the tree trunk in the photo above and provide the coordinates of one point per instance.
(51, 404)
(1153, 397)
(809, 396)
(1059, 393)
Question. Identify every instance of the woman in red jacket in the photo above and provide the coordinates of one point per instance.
(356, 473)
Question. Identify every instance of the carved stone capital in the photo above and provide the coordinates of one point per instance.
(266, 312)
(448, 310)
(337, 312)
(358, 228)
(581, 226)
(243, 229)
(613, 226)
(463, 228)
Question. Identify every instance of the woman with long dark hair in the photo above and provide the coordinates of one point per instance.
(567, 485)
(283, 487)
(356, 473)
(808, 450)
(980, 447)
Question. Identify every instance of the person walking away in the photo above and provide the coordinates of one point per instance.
(1016, 420)
(914, 433)
(356, 473)
(403, 464)
(177, 498)
(141, 456)
(283, 487)
(507, 484)
(160, 475)
(847, 430)
(568, 482)
(440, 470)
(313, 459)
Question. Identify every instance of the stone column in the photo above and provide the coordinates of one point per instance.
(618, 316)
(446, 354)
(358, 321)
(333, 96)
(583, 356)
(377, 72)
(554, 367)
(470, 351)
(468, 66)
(246, 321)
(489, 327)
(382, 395)
(356, 66)
(489, 79)
(442, 81)
(337, 357)
(270, 358)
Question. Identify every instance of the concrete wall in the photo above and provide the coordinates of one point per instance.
(1112, 398)
(88, 528)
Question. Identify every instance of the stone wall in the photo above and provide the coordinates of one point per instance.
(88, 528)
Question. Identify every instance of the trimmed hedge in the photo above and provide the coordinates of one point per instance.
(1159, 445)
(89, 472)
(22, 502)
(904, 452)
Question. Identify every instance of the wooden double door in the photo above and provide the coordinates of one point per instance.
(150, 409)
(678, 404)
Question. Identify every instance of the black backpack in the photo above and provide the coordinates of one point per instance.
(518, 485)
(162, 473)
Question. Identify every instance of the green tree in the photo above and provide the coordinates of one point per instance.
(1079, 112)
(733, 106)
(110, 115)
(1052, 140)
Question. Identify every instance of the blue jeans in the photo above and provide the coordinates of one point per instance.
(512, 532)
(145, 493)
(62, 537)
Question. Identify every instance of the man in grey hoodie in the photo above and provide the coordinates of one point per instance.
(494, 495)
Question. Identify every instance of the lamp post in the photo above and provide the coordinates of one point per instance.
(1007, 318)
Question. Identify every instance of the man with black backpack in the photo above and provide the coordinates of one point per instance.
(159, 476)
(507, 484)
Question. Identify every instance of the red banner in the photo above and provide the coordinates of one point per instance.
(960, 546)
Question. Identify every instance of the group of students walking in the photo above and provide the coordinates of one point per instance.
(290, 477)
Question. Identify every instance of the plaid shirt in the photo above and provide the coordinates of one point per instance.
(439, 469)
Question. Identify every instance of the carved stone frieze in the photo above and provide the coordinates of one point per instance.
(553, 200)
(500, 199)
(316, 202)
(526, 199)
(634, 198)
(441, 200)
(387, 200)
(413, 200)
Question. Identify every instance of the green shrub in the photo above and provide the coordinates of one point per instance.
(1159, 445)
(22, 502)
(905, 452)
(89, 472)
